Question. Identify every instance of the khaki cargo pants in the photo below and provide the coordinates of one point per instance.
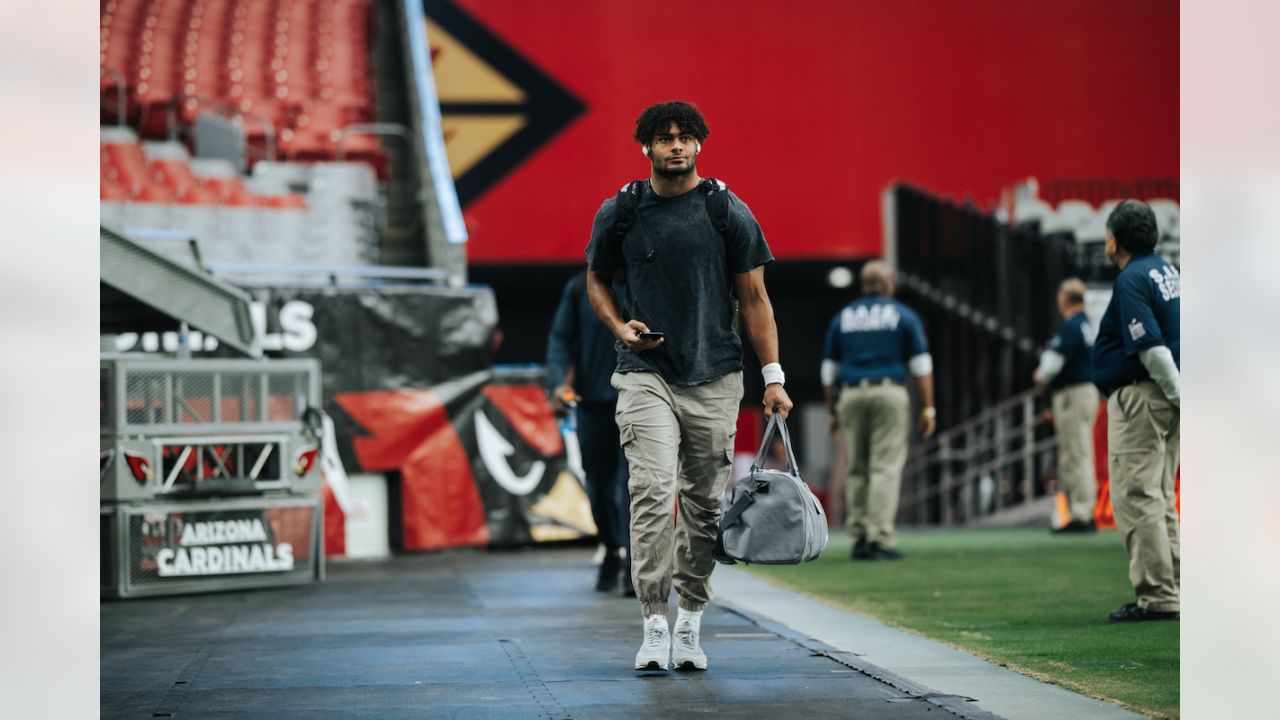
(875, 421)
(1074, 409)
(679, 447)
(1142, 442)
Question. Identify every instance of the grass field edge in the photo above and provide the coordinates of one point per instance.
(1021, 670)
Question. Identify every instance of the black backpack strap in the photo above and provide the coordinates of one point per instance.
(716, 194)
(717, 197)
(624, 211)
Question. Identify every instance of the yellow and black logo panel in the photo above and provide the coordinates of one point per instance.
(496, 108)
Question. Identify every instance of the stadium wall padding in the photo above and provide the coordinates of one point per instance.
(815, 107)
(408, 381)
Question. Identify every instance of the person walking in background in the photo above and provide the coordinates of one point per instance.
(579, 346)
(1066, 366)
(870, 347)
(1136, 365)
(665, 272)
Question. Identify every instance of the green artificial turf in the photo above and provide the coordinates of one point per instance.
(1023, 598)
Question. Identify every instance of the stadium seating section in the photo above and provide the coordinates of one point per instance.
(303, 66)
(1087, 224)
(331, 219)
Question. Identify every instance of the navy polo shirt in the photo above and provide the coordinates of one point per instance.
(874, 337)
(1143, 313)
(1074, 342)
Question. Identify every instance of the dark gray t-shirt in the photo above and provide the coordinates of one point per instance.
(674, 272)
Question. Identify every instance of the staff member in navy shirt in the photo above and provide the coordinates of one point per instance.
(581, 347)
(1136, 364)
(870, 347)
(1066, 367)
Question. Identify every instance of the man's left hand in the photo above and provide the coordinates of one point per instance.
(775, 398)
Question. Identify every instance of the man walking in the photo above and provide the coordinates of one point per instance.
(1066, 367)
(664, 276)
(579, 346)
(870, 347)
(1136, 364)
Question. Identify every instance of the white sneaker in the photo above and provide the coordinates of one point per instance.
(686, 654)
(655, 653)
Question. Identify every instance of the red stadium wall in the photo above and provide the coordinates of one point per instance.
(814, 107)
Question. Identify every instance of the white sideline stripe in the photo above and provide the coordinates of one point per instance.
(929, 663)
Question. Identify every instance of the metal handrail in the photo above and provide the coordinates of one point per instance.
(228, 110)
(120, 82)
(977, 316)
(386, 272)
(989, 442)
(986, 415)
(381, 129)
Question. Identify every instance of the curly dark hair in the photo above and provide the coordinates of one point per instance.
(1134, 226)
(658, 118)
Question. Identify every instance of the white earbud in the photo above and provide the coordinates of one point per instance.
(697, 147)
(645, 149)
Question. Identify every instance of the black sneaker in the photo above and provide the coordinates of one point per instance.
(1130, 612)
(887, 553)
(1076, 526)
(861, 551)
(607, 582)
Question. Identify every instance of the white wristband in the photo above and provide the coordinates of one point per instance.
(773, 374)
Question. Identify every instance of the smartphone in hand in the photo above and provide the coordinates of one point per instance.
(649, 336)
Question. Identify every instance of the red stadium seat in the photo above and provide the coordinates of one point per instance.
(197, 194)
(290, 201)
(152, 194)
(229, 191)
(114, 192)
(174, 174)
(127, 161)
(306, 65)
(311, 146)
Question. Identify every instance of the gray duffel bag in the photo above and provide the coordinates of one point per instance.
(771, 517)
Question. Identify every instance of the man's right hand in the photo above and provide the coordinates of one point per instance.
(629, 334)
(562, 399)
(928, 422)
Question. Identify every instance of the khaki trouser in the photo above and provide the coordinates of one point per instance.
(1074, 410)
(1142, 439)
(875, 422)
(679, 447)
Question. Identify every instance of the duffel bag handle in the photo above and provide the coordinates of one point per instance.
(776, 424)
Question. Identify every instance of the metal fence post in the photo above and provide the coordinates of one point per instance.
(944, 482)
(1028, 445)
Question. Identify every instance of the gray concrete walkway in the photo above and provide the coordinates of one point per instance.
(475, 634)
(859, 639)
